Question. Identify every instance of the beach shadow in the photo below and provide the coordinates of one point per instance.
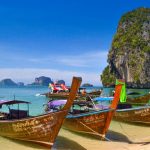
(134, 123)
(85, 135)
(110, 135)
(63, 143)
(27, 144)
(141, 143)
(117, 137)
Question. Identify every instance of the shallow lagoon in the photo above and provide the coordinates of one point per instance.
(121, 134)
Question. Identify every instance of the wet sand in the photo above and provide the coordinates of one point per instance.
(122, 137)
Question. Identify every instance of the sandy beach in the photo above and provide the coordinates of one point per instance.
(122, 137)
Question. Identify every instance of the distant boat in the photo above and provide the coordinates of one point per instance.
(83, 118)
(141, 100)
(128, 113)
(133, 93)
(64, 95)
(42, 129)
(144, 99)
(38, 94)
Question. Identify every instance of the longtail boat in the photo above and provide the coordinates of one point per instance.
(141, 99)
(61, 95)
(128, 113)
(42, 129)
(91, 121)
(65, 95)
(96, 93)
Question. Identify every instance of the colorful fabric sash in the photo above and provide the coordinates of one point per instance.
(123, 95)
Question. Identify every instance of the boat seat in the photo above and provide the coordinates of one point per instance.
(17, 114)
(3, 116)
(124, 106)
(76, 111)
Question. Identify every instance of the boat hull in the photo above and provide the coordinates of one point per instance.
(57, 95)
(139, 100)
(134, 115)
(65, 95)
(91, 123)
(42, 129)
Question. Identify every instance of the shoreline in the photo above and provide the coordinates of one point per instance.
(123, 136)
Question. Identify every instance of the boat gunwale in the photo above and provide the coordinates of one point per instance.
(89, 113)
(32, 117)
(132, 109)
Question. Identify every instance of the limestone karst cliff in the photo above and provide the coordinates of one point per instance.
(129, 56)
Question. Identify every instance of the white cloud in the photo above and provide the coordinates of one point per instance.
(87, 60)
(84, 60)
(28, 75)
(96, 60)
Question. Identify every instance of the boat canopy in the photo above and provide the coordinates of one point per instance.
(11, 102)
(56, 103)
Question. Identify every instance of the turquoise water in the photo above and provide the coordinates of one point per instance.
(65, 140)
(32, 94)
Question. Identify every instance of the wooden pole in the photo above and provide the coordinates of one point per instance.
(73, 92)
(113, 106)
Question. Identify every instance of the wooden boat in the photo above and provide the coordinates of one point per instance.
(95, 93)
(92, 121)
(128, 113)
(139, 100)
(133, 93)
(43, 129)
(95, 121)
(64, 95)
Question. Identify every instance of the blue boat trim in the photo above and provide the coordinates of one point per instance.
(88, 113)
(103, 98)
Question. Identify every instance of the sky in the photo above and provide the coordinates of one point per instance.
(59, 39)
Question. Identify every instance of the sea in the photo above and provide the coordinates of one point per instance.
(33, 94)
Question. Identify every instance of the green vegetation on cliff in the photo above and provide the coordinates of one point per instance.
(130, 27)
(129, 56)
(107, 78)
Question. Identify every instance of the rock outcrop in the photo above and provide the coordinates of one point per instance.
(129, 56)
(42, 81)
(87, 85)
(7, 82)
(20, 84)
(60, 82)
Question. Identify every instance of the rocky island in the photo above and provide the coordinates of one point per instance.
(129, 56)
(87, 85)
(39, 81)
(42, 81)
(7, 82)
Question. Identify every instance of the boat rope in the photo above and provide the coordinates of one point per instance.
(101, 135)
(126, 132)
(131, 137)
(92, 102)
